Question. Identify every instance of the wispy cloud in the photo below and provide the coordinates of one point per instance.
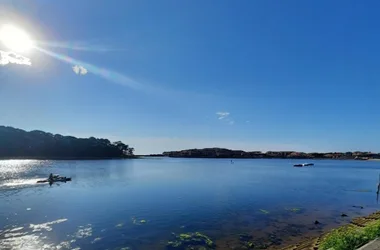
(225, 116)
(80, 70)
(11, 57)
(81, 46)
(222, 115)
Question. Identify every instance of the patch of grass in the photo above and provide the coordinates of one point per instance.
(350, 237)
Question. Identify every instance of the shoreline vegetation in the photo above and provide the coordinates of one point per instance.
(228, 153)
(20, 144)
(360, 231)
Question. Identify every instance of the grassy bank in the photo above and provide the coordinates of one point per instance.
(359, 232)
(350, 236)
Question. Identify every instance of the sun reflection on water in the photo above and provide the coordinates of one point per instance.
(19, 172)
(33, 237)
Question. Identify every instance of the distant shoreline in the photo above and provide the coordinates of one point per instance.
(240, 154)
(262, 158)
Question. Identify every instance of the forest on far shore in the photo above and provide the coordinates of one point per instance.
(18, 143)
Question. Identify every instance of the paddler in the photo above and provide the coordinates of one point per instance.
(51, 177)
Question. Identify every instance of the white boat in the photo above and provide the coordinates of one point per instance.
(303, 165)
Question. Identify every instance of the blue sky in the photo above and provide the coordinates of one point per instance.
(283, 75)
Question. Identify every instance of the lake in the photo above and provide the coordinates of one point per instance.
(144, 203)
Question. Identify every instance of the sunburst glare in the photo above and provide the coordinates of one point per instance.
(15, 39)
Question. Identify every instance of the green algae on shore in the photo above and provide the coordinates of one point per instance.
(195, 240)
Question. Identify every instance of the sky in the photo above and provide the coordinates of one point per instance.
(170, 75)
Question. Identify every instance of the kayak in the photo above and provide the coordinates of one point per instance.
(56, 179)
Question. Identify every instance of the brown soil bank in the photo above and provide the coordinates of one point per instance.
(368, 226)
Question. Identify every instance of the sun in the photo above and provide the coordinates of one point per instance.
(15, 39)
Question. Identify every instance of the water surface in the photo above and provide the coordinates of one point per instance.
(139, 204)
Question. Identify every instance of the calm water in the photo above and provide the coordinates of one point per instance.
(139, 204)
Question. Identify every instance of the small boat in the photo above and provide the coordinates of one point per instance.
(303, 165)
(55, 179)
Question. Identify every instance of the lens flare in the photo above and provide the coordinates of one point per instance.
(15, 39)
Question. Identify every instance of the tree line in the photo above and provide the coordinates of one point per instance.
(17, 143)
(228, 153)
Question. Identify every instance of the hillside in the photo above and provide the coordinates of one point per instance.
(17, 143)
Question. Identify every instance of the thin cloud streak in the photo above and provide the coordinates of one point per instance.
(11, 57)
(80, 46)
(222, 115)
(102, 72)
(225, 116)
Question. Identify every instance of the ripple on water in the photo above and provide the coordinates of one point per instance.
(45, 226)
(16, 229)
(84, 232)
(96, 240)
(23, 242)
(33, 237)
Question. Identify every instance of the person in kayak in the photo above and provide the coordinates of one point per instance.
(51, 177)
